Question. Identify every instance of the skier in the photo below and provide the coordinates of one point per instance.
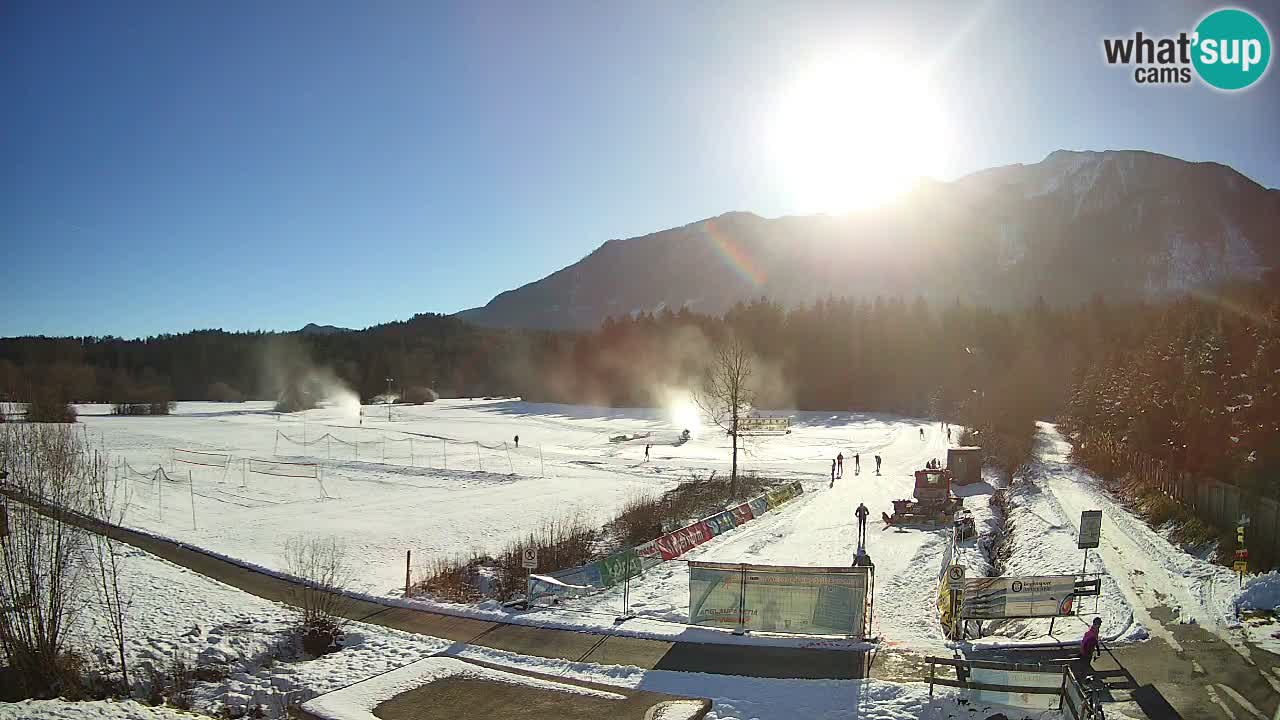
(646, 453)
(857, 463)
(840, 465)
(517, 442)
(948, 434)
(862, 512)
(921, 433)
(833, 474)
(877, 464)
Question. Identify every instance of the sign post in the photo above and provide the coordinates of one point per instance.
(1241, 564)
(529, 561)
(955, 581)
(1090, 534)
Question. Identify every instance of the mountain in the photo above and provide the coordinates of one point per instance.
(1124, 224)
(314, 329)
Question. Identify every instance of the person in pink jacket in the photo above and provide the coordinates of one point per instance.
(1089, 643)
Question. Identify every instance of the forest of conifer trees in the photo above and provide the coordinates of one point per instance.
(1194, 382)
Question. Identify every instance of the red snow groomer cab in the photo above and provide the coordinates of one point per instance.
(933, 502)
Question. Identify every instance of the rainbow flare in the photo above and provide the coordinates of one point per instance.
(735, 255)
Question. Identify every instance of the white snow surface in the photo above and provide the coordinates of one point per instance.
(95, 710)
(1147, 569)
(172, 610)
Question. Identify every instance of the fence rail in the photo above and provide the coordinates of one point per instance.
(1216, 503)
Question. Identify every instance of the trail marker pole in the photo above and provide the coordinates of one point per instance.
(407, 554)
(445, 443)
(411, 461)
(160, 492)
(384, 448)
(540, 463)
(191, 485)
(510, 467)
(276, 450)
(478, 460)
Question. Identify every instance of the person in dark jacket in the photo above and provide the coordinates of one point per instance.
(840, 465)
(877, 464)
(857, 463)
(833, 473)
(862, 512)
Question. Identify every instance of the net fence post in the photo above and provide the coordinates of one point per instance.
(478, 460)
(445, 444)
(510, 467)
(191, 486)
(541, 464)
(275, 451)
(411, 460)
(384, 448)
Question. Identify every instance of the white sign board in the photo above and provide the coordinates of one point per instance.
(1018, 597)
(1017, 678)
(1090, 529)
(529, 558)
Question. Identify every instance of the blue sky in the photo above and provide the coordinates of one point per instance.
(169, 166)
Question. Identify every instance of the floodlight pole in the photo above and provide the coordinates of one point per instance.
(388, 399)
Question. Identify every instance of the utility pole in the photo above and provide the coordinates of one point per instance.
(388, 399)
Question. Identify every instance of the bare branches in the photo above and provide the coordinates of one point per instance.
(321, 564)
(726, 395)
(43, 579)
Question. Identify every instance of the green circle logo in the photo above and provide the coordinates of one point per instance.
(1232, 49)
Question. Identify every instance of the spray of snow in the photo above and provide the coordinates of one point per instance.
(682, 410)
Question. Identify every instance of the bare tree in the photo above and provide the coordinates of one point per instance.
(42, 580)
(726, 395)
(321, 567)
(107, 508)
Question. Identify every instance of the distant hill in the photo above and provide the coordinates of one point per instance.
(314, 329)
(1123, 224)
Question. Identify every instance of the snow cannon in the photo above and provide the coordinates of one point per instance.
(933, 503)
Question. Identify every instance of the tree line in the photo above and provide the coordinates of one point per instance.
(1192, 381)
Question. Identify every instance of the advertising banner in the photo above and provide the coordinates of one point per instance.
(618, 567)
(1025, 597)
(720, 523)
(759, 506)
(1051, 680)
(742, 514)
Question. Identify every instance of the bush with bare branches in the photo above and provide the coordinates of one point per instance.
(44, 583)
(321, 566)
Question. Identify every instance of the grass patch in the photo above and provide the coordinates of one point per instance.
(570, 541)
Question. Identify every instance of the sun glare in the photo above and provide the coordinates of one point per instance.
(684, 413)
(854, 132)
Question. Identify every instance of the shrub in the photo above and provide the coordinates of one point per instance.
(48, 404)
(418, 395)
(321, 566)
(222, 392)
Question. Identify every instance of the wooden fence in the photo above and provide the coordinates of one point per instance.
(1216, 503)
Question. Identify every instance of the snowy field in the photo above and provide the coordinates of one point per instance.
(446, 478)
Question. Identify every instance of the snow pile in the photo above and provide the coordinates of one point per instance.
(357, 702)
(1262, 592)
(1257, 611)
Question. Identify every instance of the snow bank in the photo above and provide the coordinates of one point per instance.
(1261, 592)
(357, 702)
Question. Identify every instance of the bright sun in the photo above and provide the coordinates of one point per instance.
(854, 132)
